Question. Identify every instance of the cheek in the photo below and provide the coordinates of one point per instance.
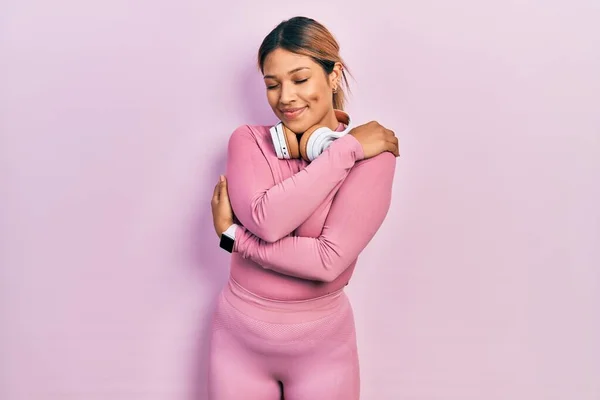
(315, 97)
(315, 93)
(272, 98)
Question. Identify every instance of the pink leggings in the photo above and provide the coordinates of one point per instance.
(261, 346)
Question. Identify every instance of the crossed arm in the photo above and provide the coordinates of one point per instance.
(272, 212)
(357, 212)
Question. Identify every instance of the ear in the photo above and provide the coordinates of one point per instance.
(336, 75)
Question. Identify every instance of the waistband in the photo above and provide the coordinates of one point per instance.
(284, 311)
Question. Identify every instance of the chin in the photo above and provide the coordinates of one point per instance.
(297, 126)
(305, 123)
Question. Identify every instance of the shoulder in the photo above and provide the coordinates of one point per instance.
(251, 135)
(385, 161)
(376, 173)
(252, 131)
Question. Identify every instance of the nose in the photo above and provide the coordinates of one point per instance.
(287, 94)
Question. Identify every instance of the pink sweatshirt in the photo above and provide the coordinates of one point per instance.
(304, 224)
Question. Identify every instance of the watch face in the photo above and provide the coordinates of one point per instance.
(226, 243)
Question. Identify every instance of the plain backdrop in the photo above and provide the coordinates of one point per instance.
(482, 283)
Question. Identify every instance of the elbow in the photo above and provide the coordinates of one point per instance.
(333, 270)
(334, 259)
(330, 275)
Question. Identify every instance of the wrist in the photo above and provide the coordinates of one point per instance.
(223, 227)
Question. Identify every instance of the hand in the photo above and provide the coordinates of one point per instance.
(221, 207)
(375, 139)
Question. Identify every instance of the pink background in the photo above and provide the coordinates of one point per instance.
(483, 283)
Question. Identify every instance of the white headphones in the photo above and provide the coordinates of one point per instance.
(312, 142)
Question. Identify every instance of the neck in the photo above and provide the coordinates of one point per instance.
(330, 120)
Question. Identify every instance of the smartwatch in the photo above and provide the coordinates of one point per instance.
(228, 238)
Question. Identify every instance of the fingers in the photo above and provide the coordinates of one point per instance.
(220, 190)
(391, 141)
(396, 146)
(223, 188)
(387, 136)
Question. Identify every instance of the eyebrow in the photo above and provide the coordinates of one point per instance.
(289, 73)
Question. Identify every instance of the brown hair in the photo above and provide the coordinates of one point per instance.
(305, 36)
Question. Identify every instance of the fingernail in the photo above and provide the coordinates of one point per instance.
(221, 178)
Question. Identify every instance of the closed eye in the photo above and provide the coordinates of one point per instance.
(296, 82)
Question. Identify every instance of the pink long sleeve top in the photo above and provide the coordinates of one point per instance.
(303, 224)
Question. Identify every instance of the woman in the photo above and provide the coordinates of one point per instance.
(283, 324)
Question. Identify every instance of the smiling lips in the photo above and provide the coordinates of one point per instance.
(291, 113)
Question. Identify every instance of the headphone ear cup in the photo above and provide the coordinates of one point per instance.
(291, 141)
(304, 141)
